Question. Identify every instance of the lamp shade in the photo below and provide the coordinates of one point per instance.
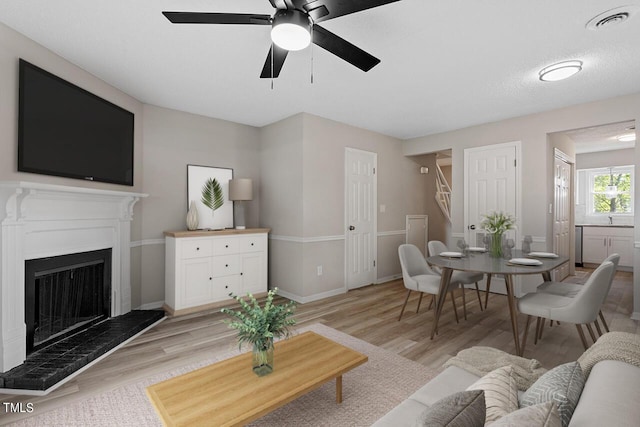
(240, 189)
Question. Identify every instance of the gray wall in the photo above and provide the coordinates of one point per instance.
(303, 169)
(172, 140)
(605, 159)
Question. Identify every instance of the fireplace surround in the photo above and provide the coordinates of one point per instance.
(45, 220)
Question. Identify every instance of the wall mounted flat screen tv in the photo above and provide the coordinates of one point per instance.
(63, 130)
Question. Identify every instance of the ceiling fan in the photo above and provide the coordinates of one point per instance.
(294, 26)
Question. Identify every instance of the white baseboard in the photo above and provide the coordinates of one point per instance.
(151, 305)
(388, 278)
(314, 297)
(635, 315)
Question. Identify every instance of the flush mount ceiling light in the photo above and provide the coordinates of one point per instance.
(290, 30)
(560, 71)
(627, 137)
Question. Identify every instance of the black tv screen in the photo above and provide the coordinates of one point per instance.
(63, 130)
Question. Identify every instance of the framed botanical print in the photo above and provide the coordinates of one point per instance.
(208, 188)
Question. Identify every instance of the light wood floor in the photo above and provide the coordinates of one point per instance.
(368, 313)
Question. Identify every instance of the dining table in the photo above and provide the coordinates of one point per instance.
(483, 262)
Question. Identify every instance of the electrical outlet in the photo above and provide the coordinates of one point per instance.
(319, 270)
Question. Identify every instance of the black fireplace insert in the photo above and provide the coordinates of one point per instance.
(66, 294)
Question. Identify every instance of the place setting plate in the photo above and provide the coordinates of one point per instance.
(542, 255)
(524, 261)
(451, 254)
(477, 249)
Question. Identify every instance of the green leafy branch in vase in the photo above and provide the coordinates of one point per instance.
(212, 195)
(258, 325)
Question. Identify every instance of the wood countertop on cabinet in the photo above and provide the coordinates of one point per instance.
(225, 232)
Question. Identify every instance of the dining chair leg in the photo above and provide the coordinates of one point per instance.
(524, 335)
(542, 323)
(538, 322)
(433, 297)
(597, 325)
(478, 293)
(604, 322)
(419, 301)
(464, 302)
(582, 337)
(405, 304)
(455, 310)
(590, 329)
(486, 292)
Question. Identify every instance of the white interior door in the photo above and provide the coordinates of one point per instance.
(490, 185)
(562, 213)
(360, 216)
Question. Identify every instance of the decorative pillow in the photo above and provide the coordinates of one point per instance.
(562, 385)
(500, 392)
(542, 415)
(462, 409)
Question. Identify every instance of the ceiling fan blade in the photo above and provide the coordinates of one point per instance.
(343, 49)
(339, 7)
(217, 18)
(279, 55)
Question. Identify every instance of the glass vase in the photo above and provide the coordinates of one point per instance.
(495, 247)
(263, 357)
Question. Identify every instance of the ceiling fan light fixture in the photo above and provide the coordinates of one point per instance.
(560, 71)
(290, 30)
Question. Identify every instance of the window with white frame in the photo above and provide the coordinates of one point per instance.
(610, 191)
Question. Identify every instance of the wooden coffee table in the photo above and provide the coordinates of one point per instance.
(228, 393)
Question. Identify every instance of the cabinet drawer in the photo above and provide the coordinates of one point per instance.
(225, 246)
(195, 249)
(255, 243)
(226, 265)
(223, 286)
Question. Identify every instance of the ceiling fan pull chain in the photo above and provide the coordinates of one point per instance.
(271, 65)
(311, 52)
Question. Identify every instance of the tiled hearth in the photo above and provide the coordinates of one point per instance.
(47, 367)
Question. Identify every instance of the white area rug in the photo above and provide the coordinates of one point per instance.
(369, 392)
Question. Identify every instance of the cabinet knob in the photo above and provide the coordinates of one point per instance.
(241, 274)
(226, 265)
(210, 278)
(226, 246)
(197, 249)
(251, 244)
(226, 286)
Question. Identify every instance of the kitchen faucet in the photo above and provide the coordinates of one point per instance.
(610, 220)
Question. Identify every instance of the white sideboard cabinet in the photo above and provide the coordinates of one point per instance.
(203, 267)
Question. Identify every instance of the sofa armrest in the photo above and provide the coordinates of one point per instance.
(610, 396)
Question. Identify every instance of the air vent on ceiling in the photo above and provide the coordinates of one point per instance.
(611, 17)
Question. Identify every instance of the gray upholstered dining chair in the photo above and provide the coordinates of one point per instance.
(582, 309)
(572, 289)
(418, 276)
(461, 278)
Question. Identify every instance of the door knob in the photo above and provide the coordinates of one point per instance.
(351, 228)
(472, 227)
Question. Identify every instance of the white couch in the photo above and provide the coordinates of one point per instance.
(610, 397)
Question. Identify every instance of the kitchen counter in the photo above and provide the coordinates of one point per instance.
(605, 225)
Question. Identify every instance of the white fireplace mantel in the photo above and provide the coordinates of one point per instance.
(44, 220)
